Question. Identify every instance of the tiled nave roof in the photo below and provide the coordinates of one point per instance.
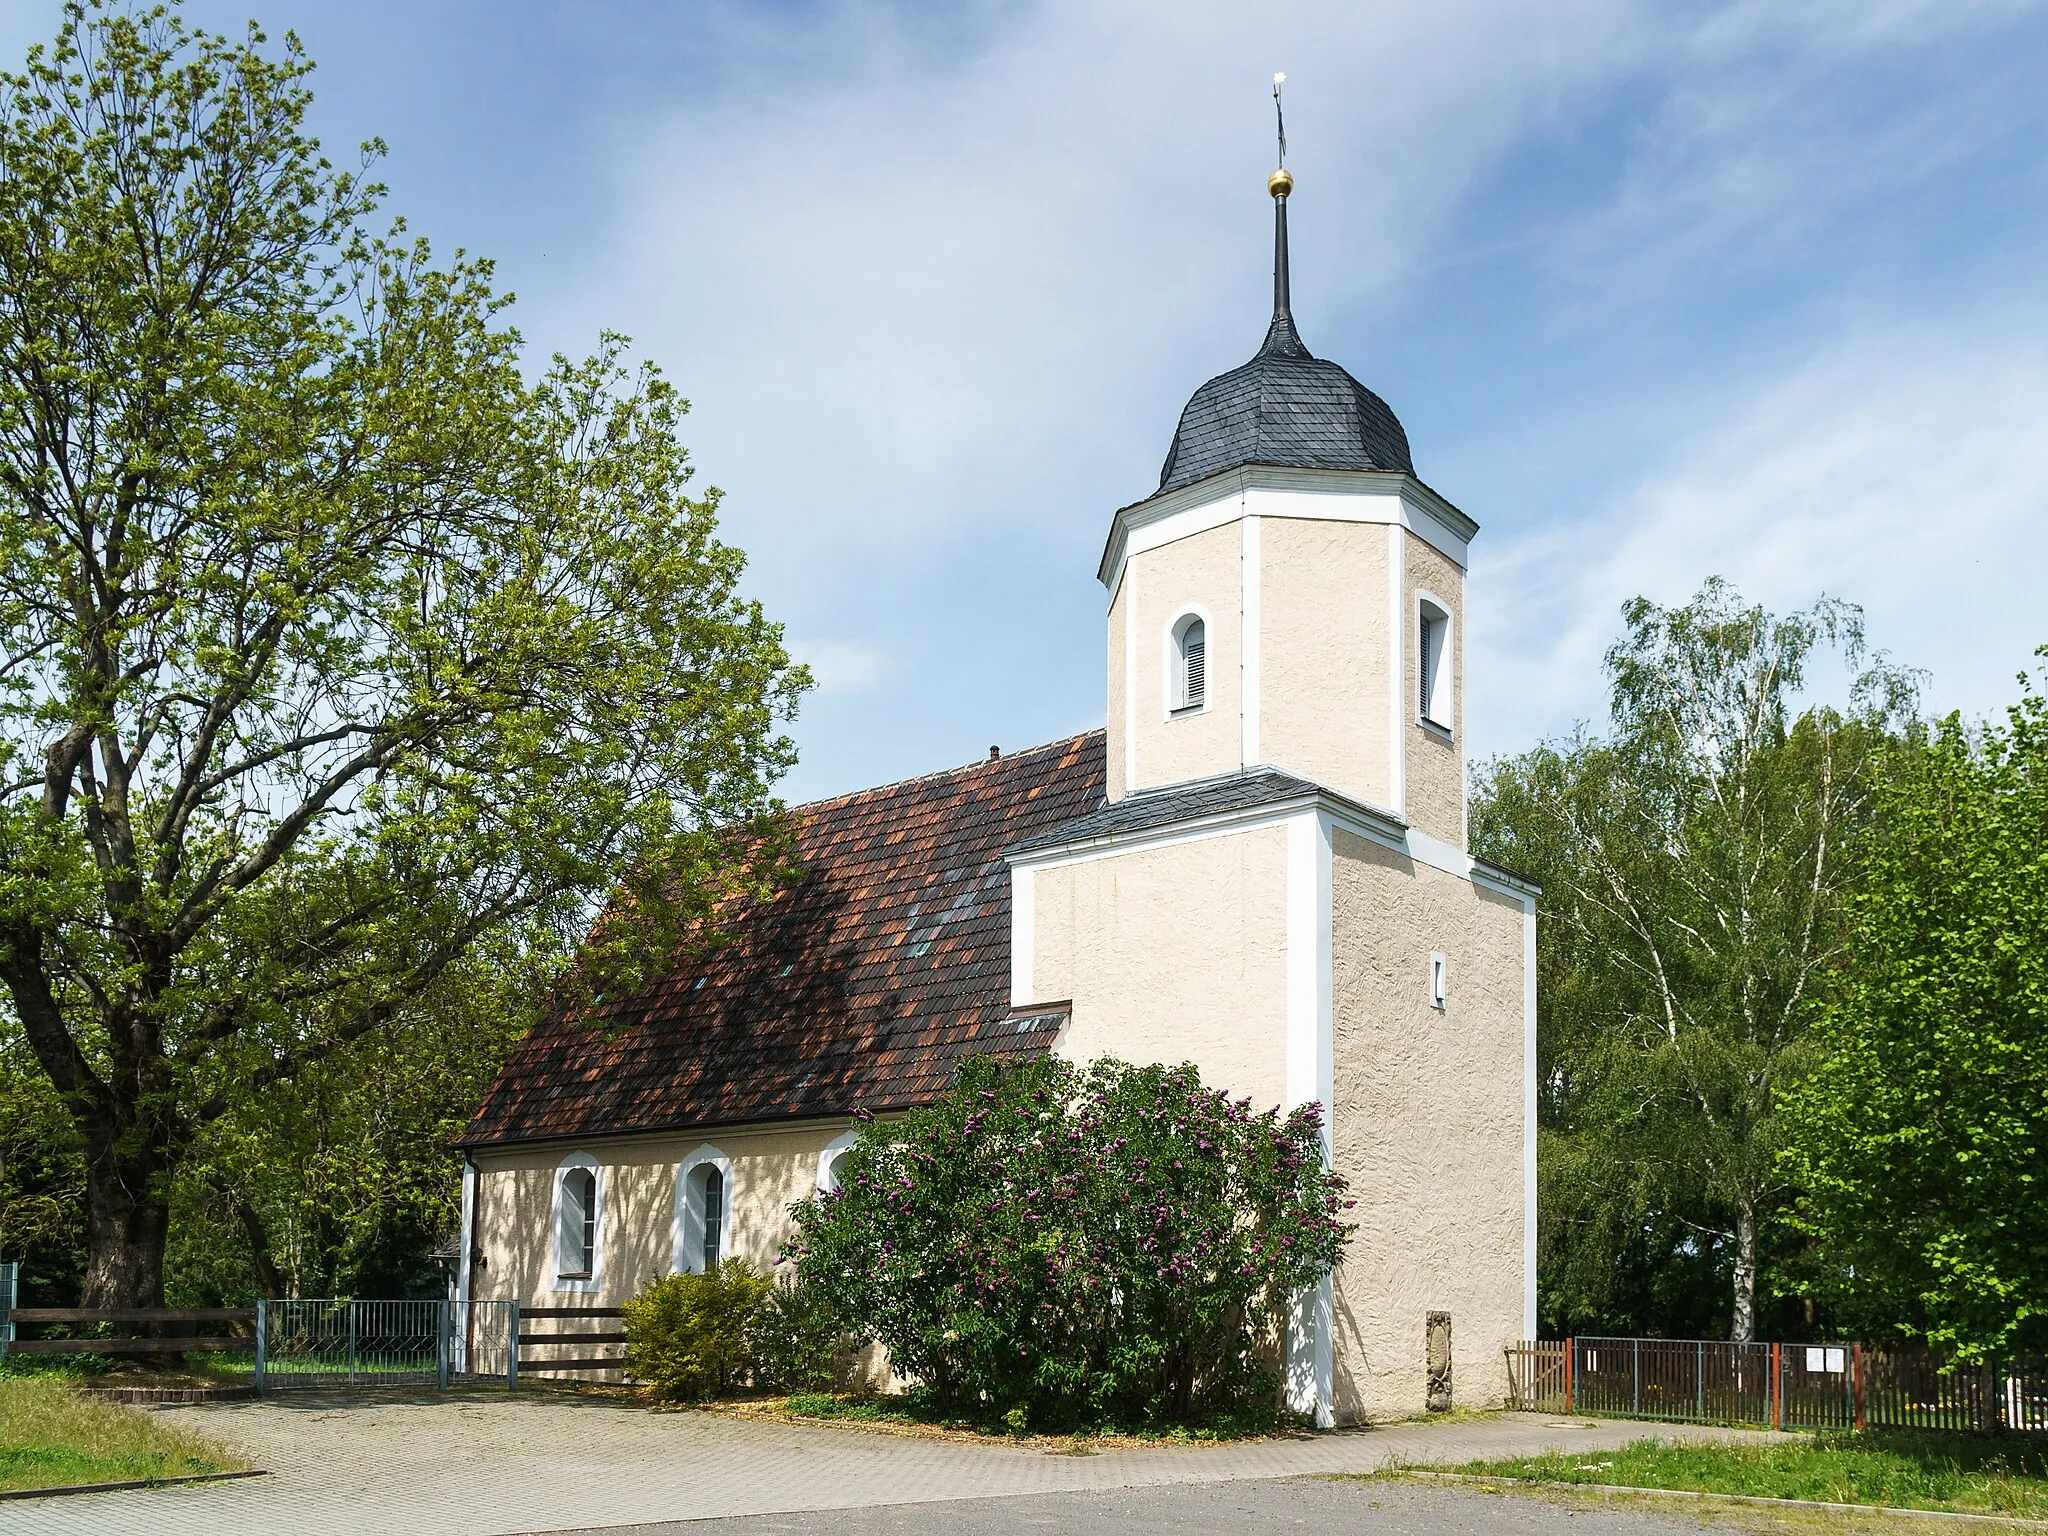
(859, 986)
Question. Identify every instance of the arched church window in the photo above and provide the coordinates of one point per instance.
(1191, 679)
(710, 1217)
(830, 1158)
(576, 1222)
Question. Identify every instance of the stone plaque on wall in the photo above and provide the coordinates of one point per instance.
(1437, 1353)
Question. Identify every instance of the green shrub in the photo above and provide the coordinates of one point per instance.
(1060, 1248)
(796, 1342)
(686, 1335)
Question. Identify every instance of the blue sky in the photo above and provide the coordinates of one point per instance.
(1659, 291)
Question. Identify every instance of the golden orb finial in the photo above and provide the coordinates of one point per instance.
(1280, 183)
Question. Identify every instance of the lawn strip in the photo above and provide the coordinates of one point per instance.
(53, 1437)
(2006, 1477)
(1494, 1480)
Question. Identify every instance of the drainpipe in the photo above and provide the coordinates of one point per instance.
(462, 1264)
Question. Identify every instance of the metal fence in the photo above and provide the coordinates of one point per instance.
(358, 1343)
(342, 1342)
(1788, 1386)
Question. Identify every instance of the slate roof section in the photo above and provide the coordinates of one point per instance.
(1149, 808)
(859, 987)
(1285, 407)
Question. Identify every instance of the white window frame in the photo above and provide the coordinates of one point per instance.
(1433, 613)
(559, 1245)
(688, 1240)
(828, 1171)
(1439, 981)
(1173, 672)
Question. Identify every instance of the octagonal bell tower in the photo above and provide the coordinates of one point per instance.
(1291, 596)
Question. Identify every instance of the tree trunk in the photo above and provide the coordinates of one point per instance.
(1742, 1329)
(128, 1223)
(259, 1249)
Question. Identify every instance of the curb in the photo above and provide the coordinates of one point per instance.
(1729, 1498)
(143, 1397)
(145, 1482)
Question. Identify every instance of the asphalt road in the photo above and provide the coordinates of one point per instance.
(1311, 1506)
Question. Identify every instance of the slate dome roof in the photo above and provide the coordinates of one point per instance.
(1286, 406)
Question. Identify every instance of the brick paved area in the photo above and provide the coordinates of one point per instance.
(491, 1466)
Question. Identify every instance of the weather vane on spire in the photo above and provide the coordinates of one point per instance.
(1279, 119)
(1280, 338)
(1281, 182)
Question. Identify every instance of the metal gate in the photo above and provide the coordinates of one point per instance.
(348, 1343)
(9, 1277)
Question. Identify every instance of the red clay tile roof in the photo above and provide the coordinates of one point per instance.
(859, 987)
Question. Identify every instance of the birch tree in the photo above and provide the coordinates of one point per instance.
(1695, 858)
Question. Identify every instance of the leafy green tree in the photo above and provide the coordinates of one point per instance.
(42, 1182)
(334, 647)
(1921, 1138)
(1108, 1246)
(1693, 862)
(339, 1182)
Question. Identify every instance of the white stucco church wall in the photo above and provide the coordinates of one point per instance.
(1259, 868)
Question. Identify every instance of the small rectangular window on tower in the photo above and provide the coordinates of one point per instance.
(1439, 981)
(1432, 664)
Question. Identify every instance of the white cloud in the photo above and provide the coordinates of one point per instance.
(916, 296)
(938, 280)
(937, 295)
(841, 667)
(1905, 470)
(1776, 126)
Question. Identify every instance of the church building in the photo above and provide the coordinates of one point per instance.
(1259, 866)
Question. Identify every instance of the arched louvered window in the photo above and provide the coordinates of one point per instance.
(1191, 663)
(830, 1158)
(579, 1199)
(714, 1218)
(578, 1214)
(703, 1221)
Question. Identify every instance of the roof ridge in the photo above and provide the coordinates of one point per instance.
(947, 773)
(1228, 775)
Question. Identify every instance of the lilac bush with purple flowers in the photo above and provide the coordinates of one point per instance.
(1108, 1247)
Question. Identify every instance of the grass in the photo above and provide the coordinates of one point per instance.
(1901, 1469)
(51, 1436)
(195, 1370)
(861, 1410)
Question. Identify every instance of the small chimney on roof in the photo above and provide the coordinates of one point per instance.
(994, 753)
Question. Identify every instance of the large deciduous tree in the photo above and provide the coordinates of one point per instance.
(1693, 863)
(333, 645)
(1921, 1139)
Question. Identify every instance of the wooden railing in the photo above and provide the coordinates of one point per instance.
(551, 1340)
(149, 1317)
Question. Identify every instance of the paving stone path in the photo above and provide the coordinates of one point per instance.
(495, 1466)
